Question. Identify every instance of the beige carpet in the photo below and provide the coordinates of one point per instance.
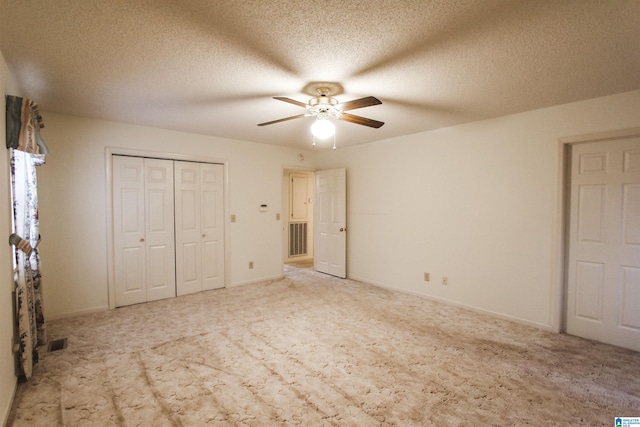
(314, 350)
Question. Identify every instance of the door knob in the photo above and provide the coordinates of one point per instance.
(342, 229)
(204, 235)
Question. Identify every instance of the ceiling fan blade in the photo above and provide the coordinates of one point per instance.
(351, 118)
(282, 120)
(291, 101)
(359, 103)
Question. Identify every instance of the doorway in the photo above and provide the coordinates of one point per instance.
(315, 205)
(297, 209)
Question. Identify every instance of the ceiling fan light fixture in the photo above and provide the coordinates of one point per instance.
(324, 107)
(322, 128)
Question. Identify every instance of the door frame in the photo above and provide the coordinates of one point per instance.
(284, 209)
(111, 151)
(561, 224)
(286, 214)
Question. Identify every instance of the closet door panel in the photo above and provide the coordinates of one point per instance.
(129, 230)
(159, 213)
(190, 263)
(132, 278)
(210, 265)
(212, 226)
(188, 233)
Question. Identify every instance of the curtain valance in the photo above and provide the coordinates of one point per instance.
(23, 126)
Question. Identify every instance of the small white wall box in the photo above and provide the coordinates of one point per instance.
(264, 208)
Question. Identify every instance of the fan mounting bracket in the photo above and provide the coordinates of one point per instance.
(327, 89)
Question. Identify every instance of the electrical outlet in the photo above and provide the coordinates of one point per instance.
(427, 277)
(250, 265)
(445, 280)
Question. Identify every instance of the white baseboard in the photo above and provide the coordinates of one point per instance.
(253, 281)
(64, 315)
(457, 304)
(56, 316)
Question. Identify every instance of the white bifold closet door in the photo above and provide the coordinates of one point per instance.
(143, 217)
(199, 226)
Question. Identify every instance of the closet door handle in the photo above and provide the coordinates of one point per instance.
(142, 240)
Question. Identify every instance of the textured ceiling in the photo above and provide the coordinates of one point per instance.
(211, 67)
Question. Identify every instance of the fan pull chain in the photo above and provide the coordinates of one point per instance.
(313, 139)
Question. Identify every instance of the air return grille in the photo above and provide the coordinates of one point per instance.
(297, 238)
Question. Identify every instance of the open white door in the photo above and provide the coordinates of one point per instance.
(330, 231)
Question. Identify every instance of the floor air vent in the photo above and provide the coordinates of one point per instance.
(56, 345)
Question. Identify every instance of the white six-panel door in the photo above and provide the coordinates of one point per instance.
(128, 222)
(199, 227)
(159, 229)
(603, 280)
(330, 233)
(212, 222)
(188, 237)
(143, 229)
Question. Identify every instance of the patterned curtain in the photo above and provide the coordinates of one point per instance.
(27, 150)
(31, 326)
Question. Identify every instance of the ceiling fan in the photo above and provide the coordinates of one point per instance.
(324, 106)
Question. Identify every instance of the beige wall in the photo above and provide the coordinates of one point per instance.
(7, 360)
(478, 203)
(73, 208)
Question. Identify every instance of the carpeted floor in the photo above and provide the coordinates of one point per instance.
(314, 350)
